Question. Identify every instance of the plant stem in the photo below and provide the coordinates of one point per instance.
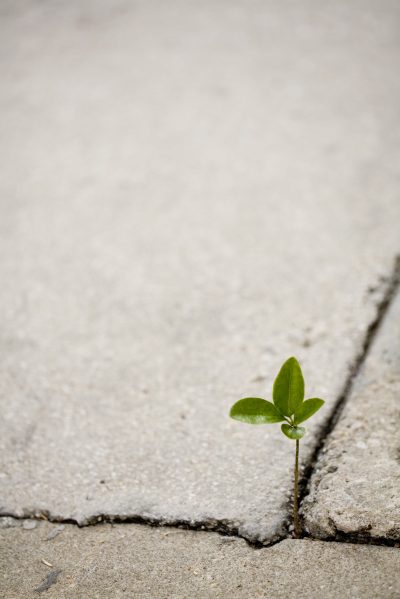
(296, 520)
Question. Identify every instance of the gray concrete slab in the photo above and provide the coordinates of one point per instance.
(135, 562)
(190, 193)
(355, 488)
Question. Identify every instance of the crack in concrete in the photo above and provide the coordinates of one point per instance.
(217, 527)
(361, 537)
(225, 527)
(221, 527)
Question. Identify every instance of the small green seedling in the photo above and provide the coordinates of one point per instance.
(288, 406)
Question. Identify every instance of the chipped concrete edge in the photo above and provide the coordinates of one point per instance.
(331, 532)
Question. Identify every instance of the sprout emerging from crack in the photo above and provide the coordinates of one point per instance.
(289, 407)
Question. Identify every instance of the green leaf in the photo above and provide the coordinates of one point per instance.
(288, 392)
(307, 409)
(255, 410)
(293, 432)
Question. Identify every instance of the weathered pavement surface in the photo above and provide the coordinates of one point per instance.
(190, 193)
(133, 562)
(355, 488)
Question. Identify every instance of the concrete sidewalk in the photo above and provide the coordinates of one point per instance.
(355, 487)
(133, 562)
(190, 193)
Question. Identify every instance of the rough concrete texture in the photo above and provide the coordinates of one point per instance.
(190, 193)
(355, 488)
(138, 562)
